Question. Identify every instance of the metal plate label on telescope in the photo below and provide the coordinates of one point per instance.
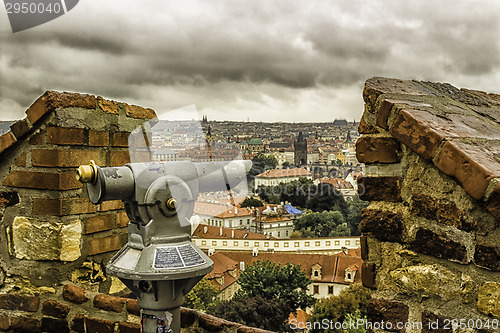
(168, 257)
(177, 257)
(190, 256)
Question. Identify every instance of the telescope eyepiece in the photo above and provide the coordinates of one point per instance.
(87, 173)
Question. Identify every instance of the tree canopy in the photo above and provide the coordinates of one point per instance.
(350, 303)
(251, 202)
(269, 293)
(202, 296)
(323, 224)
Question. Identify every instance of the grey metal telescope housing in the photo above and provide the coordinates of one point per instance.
(159, 263)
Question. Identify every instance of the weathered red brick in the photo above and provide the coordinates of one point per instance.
(19, 302)
(363, 242)
(376, 86)
(20, 128)
(380, 188)
(55, 309)
(440, 210)
(377, 150)
(472, 164)
(133, 307)
(119, 158)
(188, 317)
(105, 244)
(98, 138)
(66, 157)
(120, 139)
(438, 246)
(62, 207)
(138, 112)
(129, 328)
(65, 136)
(110, 205)
(493, 204)
(98, 223)
(52, 100)
(38, 138)
(365, 128)
(122, 220)
(384, 225)
(74, 294)
(7, 140)
(413, 128)
(368, 275)
(25, 324)
(8, 199)
(42, 180)
(107, 105)
(95, 325)
(21, 160)
(211, 323)
(387, 107)
(109, 303)
(4, 323)
(54, 325)
(487, 256)
(78, 323)
(378, 310)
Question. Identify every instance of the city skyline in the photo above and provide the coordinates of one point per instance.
(263, 61)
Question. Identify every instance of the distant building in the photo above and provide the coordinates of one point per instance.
(330, 274)
(224, 275)
(255, 145)
(223, 241)
(340, 123)
(226, 216)
(275, 177)
(165, 154)
(300, 150)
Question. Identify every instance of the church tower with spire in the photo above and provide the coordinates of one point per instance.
(300, 148)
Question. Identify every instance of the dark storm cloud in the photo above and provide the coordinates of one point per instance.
(121, 49)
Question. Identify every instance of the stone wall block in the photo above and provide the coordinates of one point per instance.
(438, 246)
(19, 302)
(75, 294)
(384, 225)
(55, 309)
(379, 310)
(488, 299)
(380, 188)
(377, 150)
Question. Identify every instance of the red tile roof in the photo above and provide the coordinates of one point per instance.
(332, 266)
(215, 232)
(284, 173)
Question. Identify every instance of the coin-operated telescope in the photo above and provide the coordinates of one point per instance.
(159, 263)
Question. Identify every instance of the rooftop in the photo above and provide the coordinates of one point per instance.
(283, 173)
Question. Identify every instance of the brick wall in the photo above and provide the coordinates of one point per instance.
(431, 234)
(54, 243)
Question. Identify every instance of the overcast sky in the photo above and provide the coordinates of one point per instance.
(258, 60)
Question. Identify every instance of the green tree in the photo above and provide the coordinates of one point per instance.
(338, 308)
(286, 285)
(353, 218)
(202, 296)
(251, 202)
(286, 165)
(255, 311)
(323, 224)
(326, 197)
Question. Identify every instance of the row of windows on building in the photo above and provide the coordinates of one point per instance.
(277, 244)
